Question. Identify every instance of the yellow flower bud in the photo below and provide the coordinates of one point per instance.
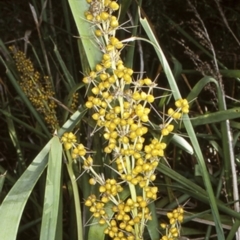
(114, 6)
(104, 16)
(98, 33)
(67, 146)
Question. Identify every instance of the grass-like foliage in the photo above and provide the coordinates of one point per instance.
(119, 154)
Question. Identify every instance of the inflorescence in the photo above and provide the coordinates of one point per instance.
(121, 107)
(38, 89)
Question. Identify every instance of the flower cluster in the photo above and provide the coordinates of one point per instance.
(122, 107)
(175, 219)
(38, 89)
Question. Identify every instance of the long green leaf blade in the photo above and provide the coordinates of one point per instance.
(12, 206)
(86, 32)
(52, 191)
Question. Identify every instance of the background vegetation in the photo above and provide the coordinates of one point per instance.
(200, 40)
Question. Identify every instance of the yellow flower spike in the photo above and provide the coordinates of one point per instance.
(169, 215)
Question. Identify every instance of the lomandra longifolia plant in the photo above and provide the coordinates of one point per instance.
(122, 106)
